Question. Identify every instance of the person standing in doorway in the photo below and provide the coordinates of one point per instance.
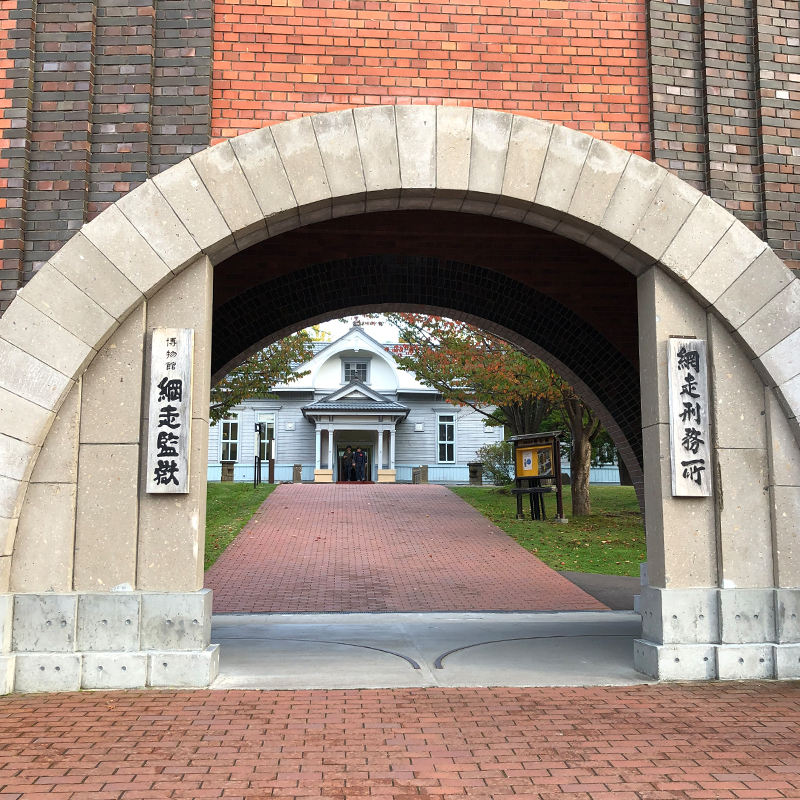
(347, 464)
(360, 461)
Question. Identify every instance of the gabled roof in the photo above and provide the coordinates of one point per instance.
(359, 331)
(356, 396)
(355, 342)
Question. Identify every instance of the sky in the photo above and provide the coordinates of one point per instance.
(381, 331)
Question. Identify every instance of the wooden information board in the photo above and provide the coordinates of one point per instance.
(537, 466)
(535, 462)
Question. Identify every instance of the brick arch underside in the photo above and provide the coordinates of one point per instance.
(541, 325)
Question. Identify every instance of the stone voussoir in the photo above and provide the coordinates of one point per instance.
(85, 266)
(189, 198)
(114, 235)
(153, 217)
(300, 155)
(225, 181)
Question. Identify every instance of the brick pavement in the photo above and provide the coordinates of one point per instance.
(381, 548)
(651, 742)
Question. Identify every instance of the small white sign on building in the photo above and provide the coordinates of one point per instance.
(170, 413)
(689, 429)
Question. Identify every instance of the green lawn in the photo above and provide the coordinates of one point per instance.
(610, 541)
(230, 506)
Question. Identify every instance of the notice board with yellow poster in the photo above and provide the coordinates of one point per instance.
(537, 468)
(535, 462)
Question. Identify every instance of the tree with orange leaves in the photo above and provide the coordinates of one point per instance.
(471, 367)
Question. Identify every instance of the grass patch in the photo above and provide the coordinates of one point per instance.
(230, 506)
(610, 541)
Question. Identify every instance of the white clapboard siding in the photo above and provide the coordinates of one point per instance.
(412, 447)
(472, 434)
(416, 447)
(297, 446)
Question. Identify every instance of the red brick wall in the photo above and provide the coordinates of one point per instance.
(581, 63)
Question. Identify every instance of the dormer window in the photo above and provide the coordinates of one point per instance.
(356, 369)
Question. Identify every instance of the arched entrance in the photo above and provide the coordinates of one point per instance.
(723, 569)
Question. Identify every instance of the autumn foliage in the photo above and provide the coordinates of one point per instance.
(264, 370)
(471, 367)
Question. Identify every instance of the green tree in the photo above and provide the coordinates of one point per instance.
(470, 367)
(265, 369)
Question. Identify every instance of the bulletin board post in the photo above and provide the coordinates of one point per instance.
(537, 472)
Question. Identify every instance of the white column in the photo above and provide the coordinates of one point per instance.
(391, 448)
(380, 449)
(330, 448)
(318, 444)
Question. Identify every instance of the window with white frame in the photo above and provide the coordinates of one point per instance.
(229, 438)
(356, 369)
(447, 438)
(267, 436)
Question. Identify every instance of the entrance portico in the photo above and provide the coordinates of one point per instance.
(362, 413)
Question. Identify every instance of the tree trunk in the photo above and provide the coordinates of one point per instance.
(583, 432)
(525, 417)
(580, 465)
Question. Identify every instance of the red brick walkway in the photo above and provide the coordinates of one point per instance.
(647, 742)
(381, 548)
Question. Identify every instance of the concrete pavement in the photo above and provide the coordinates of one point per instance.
(355, 651)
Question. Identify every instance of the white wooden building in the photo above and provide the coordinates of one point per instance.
(354, 394)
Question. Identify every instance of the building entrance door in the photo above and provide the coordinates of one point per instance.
(341, 474)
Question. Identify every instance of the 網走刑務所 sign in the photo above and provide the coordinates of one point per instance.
(689, 428)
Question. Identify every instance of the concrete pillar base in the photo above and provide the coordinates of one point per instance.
(679, 616)
(7, 665)
(787, 661)
(746, 616)
(387, 476)
(116, 640)
(787, 616)
(47, 672)
(725, 662)
(719, 634)
(737, 662)
(187, 670)
(113, 670)
(323, 476)
(675, 662)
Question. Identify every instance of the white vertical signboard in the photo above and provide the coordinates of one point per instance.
(170, 413)
(689, 429)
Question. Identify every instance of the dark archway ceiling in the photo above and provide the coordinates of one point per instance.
(587, 283)
(326, 289)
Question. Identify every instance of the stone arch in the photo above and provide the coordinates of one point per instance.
(476, 161)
